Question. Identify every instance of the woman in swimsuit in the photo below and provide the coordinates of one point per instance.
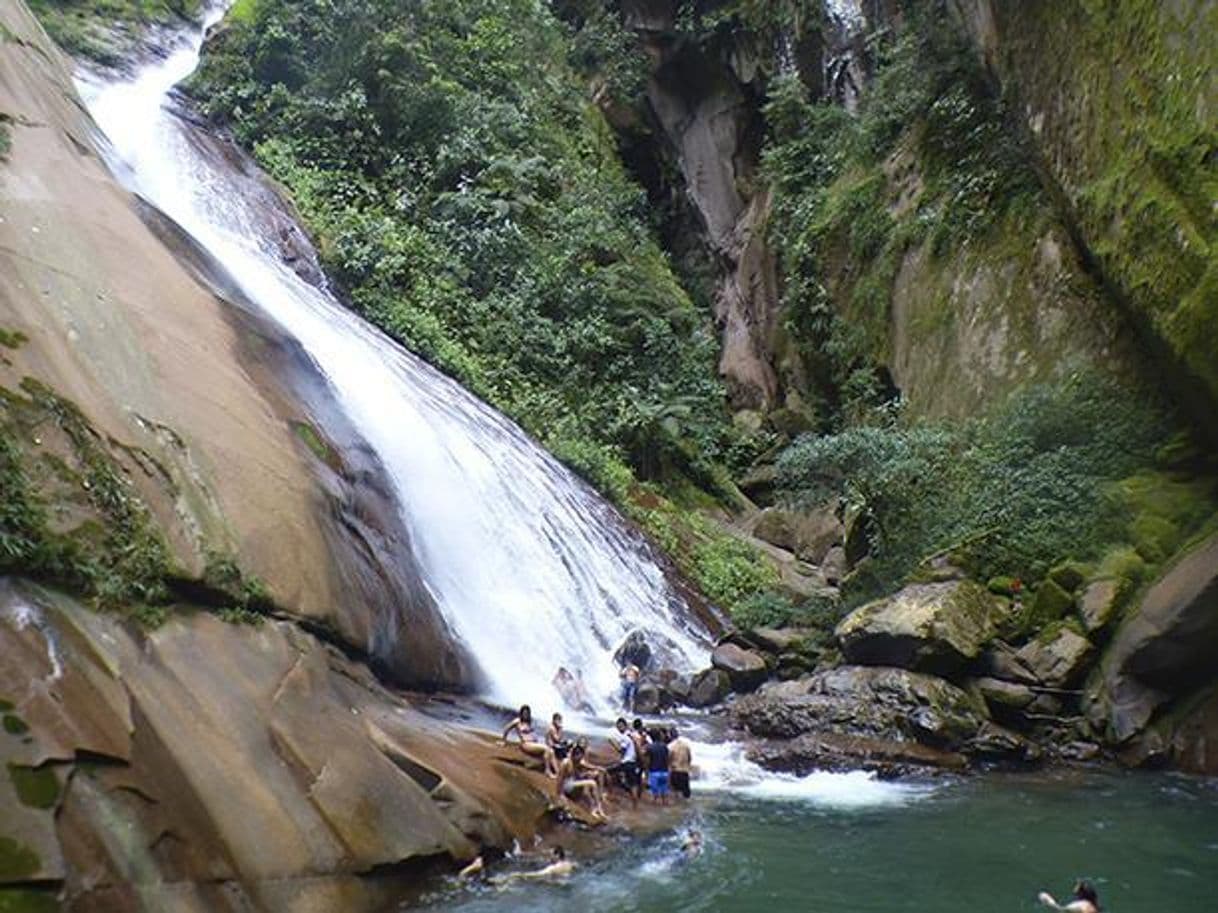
(523, 724)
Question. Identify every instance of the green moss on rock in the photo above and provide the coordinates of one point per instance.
(37, 787)
(17, 861)
(28, 900)
(1050, 604)
(14, 725)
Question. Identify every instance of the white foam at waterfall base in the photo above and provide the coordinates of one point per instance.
(530, 568)
(723, 767)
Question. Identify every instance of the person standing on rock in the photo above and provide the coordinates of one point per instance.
(657, 768)
(1086, 900)
(680, 761)
(529, 743)
(626, 770)
(629, 675)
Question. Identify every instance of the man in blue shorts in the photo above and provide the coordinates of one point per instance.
(657, 767)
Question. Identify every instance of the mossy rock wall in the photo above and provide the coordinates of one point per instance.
(1121, 100)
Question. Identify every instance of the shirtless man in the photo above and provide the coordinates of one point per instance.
(1085, 899)
(680, 760)
(574, 783)
(529, 744)
(630, 685)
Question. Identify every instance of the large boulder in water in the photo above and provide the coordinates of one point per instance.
(876, 702)
(1166, 646)
(929, 627)
(710, 686)
(649, 650)
(745, 668)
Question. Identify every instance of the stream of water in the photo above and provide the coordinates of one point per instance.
(531, 569)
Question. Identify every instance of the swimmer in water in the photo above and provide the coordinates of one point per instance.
(1085, 899)
(559, 868)
(692, 847)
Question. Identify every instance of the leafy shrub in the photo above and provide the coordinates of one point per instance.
(1008, 495)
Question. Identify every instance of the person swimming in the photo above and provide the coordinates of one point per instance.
(1086, 900)
(692, 847)
(529, 744)
(559, 867)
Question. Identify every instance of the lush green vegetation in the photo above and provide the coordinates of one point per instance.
(838, 228)
(103, 30)
(1077, 469)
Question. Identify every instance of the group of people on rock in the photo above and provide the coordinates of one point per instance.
(659, 752)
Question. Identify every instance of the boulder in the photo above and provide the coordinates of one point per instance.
(996, 742)
(1002, 661)
(649, 650)
(1099, 604)
(680, 687)
(1051, 603)
(930, 627)
(834, 567)
(1069, 575)
(710, 686)
(1165, 646)
(1059, 660)
(809, 535)
(835, 751)
(1000, 694)
(746, 669)
(634, 650)
(651, 698)
(781, 640)
(876, 702)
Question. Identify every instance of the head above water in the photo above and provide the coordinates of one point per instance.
(559, 854)
(526, 713)
(1085, 890)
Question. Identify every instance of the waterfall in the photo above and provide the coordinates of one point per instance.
(530, 568)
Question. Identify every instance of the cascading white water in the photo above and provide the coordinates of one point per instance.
(529, 567)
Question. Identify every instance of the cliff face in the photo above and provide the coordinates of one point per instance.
(207, 417)
(1120, 101)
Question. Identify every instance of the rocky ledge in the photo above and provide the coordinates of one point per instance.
(950, 674)
(215, 766)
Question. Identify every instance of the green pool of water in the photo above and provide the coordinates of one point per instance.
(1150, 842)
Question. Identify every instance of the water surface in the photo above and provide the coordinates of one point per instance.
(1150, 842)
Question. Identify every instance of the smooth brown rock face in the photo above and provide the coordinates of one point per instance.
(124, 319)
(930, 627)
(809, 535)
(206, 752)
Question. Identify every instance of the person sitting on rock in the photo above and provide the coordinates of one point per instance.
(629, 675)
(1086, 900)
(574, 785)
(556, 739)
(523, 725)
